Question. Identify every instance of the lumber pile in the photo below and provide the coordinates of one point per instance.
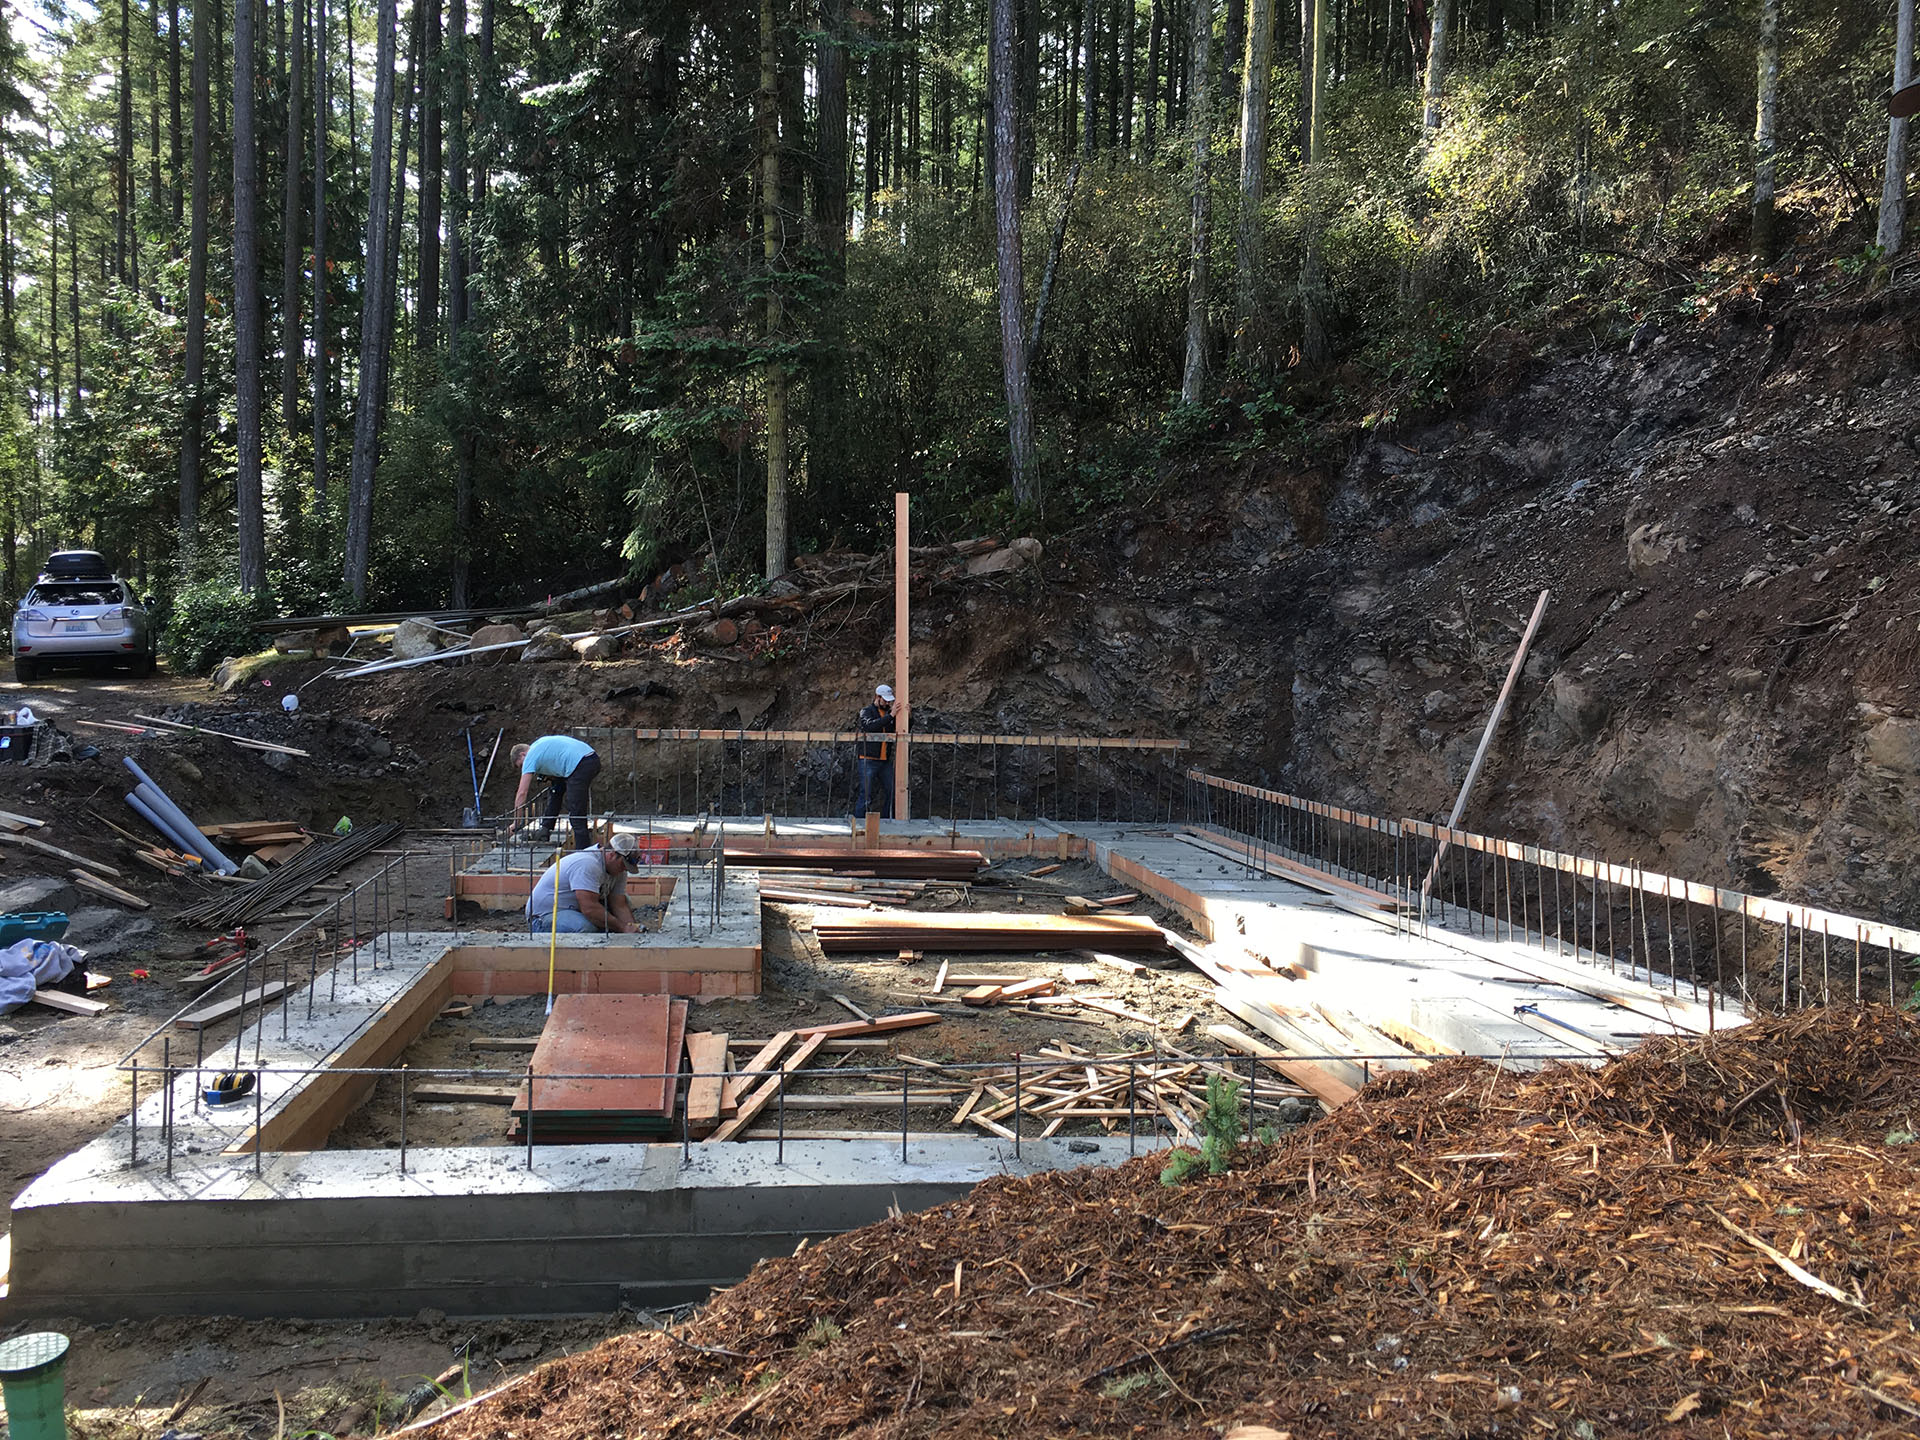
(847, 892)
(766, 1073)
(273, 841)
(596, 1043)
(898, 864)
(891, 931)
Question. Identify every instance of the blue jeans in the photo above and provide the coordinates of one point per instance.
(570, 922)
(876, 789)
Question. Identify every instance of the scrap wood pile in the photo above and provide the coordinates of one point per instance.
(293, 879)
(1638, 1249)
(893, 931)
(1060, 1084)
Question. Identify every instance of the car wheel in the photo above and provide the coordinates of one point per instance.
(24, 671)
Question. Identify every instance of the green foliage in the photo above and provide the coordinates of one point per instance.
(1222, 1123)
(822, 1333)
(210, 620)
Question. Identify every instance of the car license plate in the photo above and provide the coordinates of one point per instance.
(77, 629)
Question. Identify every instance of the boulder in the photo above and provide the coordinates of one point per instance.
(289, 641)
(1653, 545)
(597, 647)
(496, 635)
(37, 892)
(997, 562)
(416, 639)
(1027, 548)
(332, 640)
(546, 645)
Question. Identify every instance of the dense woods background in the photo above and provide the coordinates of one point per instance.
(314, 303)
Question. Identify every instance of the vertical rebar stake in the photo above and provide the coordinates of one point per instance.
(166, 1100)
(133, 1117)
(403, 1119)
(529, 1115)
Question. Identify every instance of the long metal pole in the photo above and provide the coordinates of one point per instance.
(1486, 737)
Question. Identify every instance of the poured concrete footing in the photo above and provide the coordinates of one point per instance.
(339, 1234)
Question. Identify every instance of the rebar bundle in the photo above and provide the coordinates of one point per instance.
(291, 880)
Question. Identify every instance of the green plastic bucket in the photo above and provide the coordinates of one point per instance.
(33, 1373)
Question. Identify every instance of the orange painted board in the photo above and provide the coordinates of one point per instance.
(603, 1035)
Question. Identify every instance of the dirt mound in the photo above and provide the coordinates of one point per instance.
(1458, 1252)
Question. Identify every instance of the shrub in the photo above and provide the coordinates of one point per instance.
(210, 620)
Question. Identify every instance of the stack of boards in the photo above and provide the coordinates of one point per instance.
(888, 932)
(600, 1037)
(881, 864)
(274, 841)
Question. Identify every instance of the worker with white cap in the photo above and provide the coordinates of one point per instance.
(874, 757)
(590, 889)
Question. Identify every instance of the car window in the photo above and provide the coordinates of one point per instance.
(75, 595)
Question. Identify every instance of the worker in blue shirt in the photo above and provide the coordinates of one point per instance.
(568, 766)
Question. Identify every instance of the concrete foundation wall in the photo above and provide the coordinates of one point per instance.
(340, 1235)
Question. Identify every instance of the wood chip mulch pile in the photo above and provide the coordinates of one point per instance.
(1709, 1237)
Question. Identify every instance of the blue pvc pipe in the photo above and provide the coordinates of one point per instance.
(157, 799)
(147, 813)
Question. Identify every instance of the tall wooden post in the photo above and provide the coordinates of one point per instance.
(902, 713)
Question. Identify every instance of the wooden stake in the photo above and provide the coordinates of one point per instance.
(902, 679)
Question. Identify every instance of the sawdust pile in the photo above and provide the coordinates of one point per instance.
(1707, 1238)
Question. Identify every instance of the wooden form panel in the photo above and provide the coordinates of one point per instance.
(695, 984)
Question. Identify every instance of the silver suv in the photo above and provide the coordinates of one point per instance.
(79, 610)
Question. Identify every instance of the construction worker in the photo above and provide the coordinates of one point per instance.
(591, 886)
(568, 766)
(875, 756)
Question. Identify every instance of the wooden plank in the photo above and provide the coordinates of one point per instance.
(438, 1093)
(1116, 962)
(112, 892)
(813, 897)
(226, 1009)
(72, 1004)
(940, 980)
(981, 995)
(758, 1098)
(764, 1057)
(29, 843)
(832, 1046)
(1043, 870)
(1324, 1087)
(246, 740)
(848, 1029)
(26, 820)
(708, 1052)
(1126, 898)
(940, 737)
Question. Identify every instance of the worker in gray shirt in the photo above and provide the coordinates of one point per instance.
(591, 886)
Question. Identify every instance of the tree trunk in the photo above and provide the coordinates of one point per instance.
(322, 365)
(1128, 36)
(1765, 122)
(1193, 375)
(53, 287)
(196, 363)
(1234, 43)
(1027, 99)
(830, 191)
(1155, 24)
(427, 285)
(459, 170)
(1253, 175)
(1089, 76)
(291, 155)
(1054, 248)
(374, 322)
(1006, 224)
(1893, 190)
(1437, 66)
(156, 194)
(247, 337)
(173, 110)
(768, 105)
(1315, 351)
(123, 161)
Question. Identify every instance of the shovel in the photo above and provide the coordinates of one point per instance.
(470, 817)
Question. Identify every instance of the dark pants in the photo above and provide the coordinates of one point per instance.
(572, 792)
(876, 789)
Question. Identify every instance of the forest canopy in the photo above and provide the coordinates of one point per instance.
(328, 304)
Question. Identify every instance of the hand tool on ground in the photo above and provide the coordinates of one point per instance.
(487, 774)
(470, 818)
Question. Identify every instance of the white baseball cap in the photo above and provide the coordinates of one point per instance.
(885, 692)
(626, 845)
